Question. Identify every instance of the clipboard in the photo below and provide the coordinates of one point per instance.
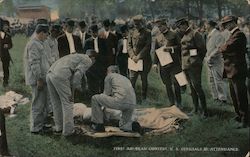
(181, 79)
(164, 57)
(135, 66)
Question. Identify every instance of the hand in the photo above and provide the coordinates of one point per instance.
(167, 50)
(5, 46)
(135, 59)
(155, 67)
(40, 84)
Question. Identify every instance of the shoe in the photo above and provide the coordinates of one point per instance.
(136, 127)
(43, 131)
(98, 127)
(238, 119)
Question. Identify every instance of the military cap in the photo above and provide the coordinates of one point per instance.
(70, 22)
(106, 23)
(42, 28)
(162, 21)
(229, 18)
(42, 21)
(82, 24)
(94, 28)
(138, 18)
(181, 21)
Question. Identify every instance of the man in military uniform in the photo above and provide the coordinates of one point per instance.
(168, 72)
(235, 68)
(139, 45)
(193, 50)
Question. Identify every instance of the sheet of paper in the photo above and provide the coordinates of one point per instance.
(193, 52)
(181, 78)
(164, 57)
(135, 66)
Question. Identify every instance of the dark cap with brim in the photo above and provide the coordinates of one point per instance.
(229, 18)
(181, 21)
(42, 28)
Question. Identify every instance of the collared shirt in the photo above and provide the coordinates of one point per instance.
(106, 34)
(124, 45)
(82, 35)
(96, 45)
(71, 42)
(232, 31)
(2, 34)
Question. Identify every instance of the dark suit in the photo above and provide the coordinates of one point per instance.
(97, 72)
(169, 71)
(235, 68)
(111, 43)
(87, 36)
(122, 59)
(63, 45)
(192, 65)
(5, 55)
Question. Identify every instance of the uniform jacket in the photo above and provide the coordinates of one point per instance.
(71, 68)
(120, 88)
(234, 51)
(171, 40)
(139, 44)
(36, 62)
(190, 41)
(63, 45)
(4, 52)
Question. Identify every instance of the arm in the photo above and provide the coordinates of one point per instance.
(79, 72)
(35, 61)
(218, 42)
(107, 86)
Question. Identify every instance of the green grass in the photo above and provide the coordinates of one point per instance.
(216, 131)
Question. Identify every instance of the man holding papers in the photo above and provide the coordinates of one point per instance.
(168, 55)
(193, 50)
(139, 45)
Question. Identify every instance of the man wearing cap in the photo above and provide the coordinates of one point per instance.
(118, 94)
(83, 34)
(139, 45)
(193, 51)
(5, 45)
(63, 77)
(69, 43)
(215, 63)
(36, 66)
(235, 68)
(122, 55)
(168, 72)
(111, 43)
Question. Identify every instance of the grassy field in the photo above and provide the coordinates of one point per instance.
(216, 131)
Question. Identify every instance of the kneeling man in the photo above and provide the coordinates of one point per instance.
(118, 94)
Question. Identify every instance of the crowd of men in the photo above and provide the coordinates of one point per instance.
(63, 59)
